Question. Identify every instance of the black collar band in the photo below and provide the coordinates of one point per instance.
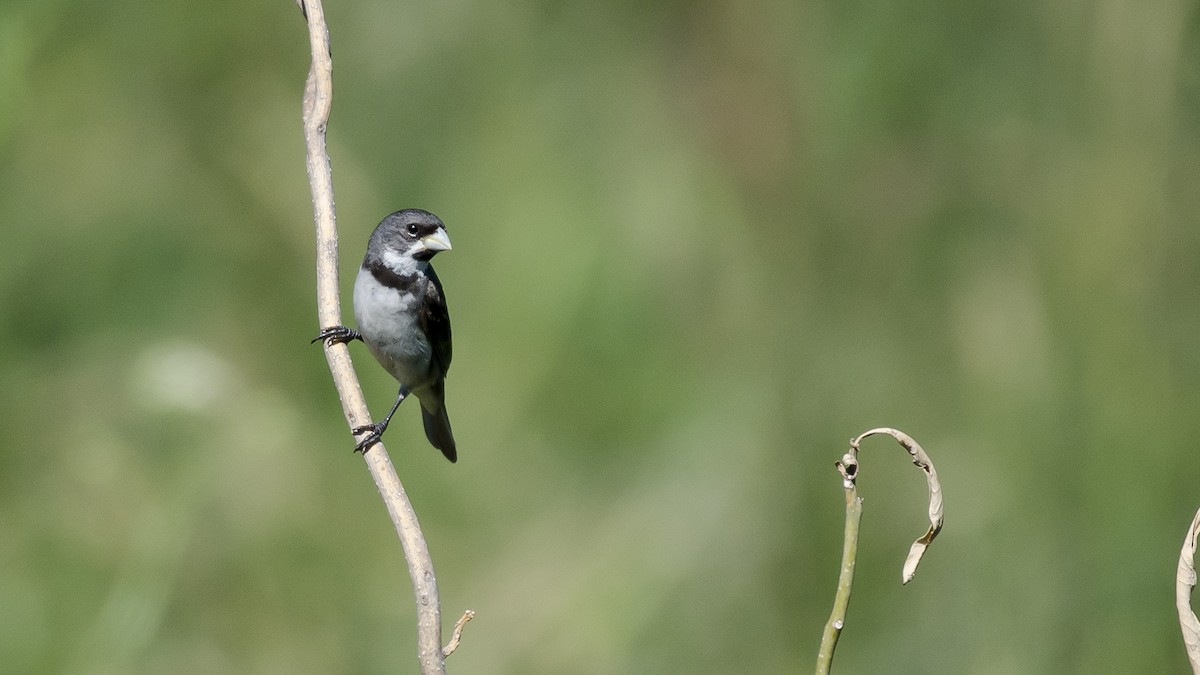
(387, 277)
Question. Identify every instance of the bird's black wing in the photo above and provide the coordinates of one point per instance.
(435, 321)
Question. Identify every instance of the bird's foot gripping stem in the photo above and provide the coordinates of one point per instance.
(336, 334)
(374, 433)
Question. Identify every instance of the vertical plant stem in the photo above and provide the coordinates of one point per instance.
(1185, 581)
(841, 601)
(318, 99)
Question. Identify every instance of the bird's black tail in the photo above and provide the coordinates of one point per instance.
(437, 430)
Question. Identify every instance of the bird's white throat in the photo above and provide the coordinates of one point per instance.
(402, 264)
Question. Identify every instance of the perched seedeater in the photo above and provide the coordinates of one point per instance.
(403, 319)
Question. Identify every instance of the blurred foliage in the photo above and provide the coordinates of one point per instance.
(697, 247)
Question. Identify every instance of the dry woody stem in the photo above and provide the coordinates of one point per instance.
(456, 635)
(847, 466)
(1185, 581)
(318, 98)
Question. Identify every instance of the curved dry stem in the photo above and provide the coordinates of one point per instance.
(847, 466)
(318, 98)
(1185, 581)
(456, 635)
(936, 516)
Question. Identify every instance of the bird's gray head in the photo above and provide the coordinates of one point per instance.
(407, 237)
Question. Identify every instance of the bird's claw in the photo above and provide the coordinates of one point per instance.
(374, 435)
(336, 334)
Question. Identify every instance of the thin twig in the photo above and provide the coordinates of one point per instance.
(847, 466)
(457, 634)
(1185, 581)
(318, 97)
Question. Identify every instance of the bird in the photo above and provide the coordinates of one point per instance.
(403, 319)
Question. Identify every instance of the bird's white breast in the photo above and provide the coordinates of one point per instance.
(387, 318)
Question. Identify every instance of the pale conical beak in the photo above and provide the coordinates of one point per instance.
(438, 241)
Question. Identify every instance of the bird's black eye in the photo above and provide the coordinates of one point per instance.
(413, 229)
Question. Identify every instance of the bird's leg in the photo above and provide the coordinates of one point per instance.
(376, 430)
(336, 334)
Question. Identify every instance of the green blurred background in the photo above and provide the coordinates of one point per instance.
(698, 246)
